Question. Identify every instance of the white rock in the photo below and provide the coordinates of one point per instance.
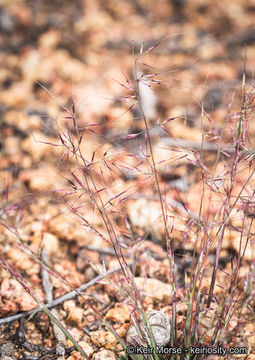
(104, 355)
(160, 326)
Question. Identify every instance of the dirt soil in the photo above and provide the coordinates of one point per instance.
(57, 53)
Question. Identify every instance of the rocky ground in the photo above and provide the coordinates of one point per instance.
(55, 53)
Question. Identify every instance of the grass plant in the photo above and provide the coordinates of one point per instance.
(88, 187)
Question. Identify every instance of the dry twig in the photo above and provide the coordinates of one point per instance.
(47, 285)
(71, 295)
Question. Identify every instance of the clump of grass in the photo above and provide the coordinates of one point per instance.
(211, 231)
(88, 187)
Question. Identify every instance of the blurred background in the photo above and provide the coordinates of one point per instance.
(81, 47)
(52, 52)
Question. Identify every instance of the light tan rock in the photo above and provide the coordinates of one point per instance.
(104, 355)
(49, 241)
(9, 287)
(103, 339)
(41, 179)
(119, 314)
(86, 347)
(68, 67)
(22, 261)
(16, 95)
(154, 291)
(69, 227)
(146, 216)
(251, 357)
(38, 146)
(49, 40)
(119, 120)
(74, 312)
